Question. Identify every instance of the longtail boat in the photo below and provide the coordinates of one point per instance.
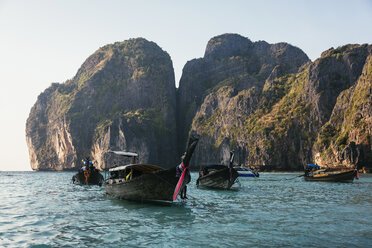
(218, 176)
(145, 182)
(88, 176)
(316, 173)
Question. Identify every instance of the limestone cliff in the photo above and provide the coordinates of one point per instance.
(219, 92)
(275, 108)
(268, 102)
(346, 138)
(122, 98)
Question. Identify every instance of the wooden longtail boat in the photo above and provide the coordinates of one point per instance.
(315, 173)
(89, 176)
(218, 176)
(145, 182)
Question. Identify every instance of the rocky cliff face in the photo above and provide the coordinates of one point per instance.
(218, 93)
(268, 102)
(346, 138)
(274, 107)
(122, 98)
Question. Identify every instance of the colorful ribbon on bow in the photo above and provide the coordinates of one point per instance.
(180, 181)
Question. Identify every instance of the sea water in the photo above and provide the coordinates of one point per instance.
(44, 209)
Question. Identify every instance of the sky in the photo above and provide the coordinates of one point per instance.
(45, 41)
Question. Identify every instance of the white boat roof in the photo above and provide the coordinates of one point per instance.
(122, 167)
(122, 153)
(140, 167)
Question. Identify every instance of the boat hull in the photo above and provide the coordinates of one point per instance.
(95, 178)
(218, 179)
(347, 176)
(157, 186)
(246, 172)
(243, 174)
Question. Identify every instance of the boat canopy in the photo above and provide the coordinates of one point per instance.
(145, 168)
(127, 154)
(313, 165)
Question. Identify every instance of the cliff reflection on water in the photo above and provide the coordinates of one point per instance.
(46, 208)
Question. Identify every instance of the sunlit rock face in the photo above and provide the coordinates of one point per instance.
(122, 98)
(268, 102)
(220, 93)
(276, 108)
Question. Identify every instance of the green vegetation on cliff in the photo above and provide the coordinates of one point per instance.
(315, 114)
(126, 88)
(268, 102)
(350, 120)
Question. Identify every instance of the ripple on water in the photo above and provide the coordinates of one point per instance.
(45, 210)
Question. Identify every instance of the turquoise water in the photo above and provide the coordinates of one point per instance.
(44, 209)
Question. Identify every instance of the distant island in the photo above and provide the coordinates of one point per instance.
(268, 102)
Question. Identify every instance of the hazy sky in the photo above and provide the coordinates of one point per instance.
(46, 41)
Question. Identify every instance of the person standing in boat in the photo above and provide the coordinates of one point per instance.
(88, 163)
(84, 167)
(88, 168)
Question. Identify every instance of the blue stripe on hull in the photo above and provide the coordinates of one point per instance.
(246, 175)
